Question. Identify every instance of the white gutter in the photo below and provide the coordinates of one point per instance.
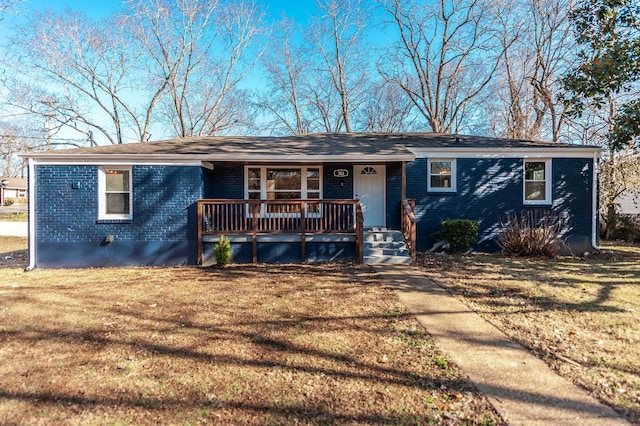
(195, 159)
(540, 152)
(32, 216)
(594, 202)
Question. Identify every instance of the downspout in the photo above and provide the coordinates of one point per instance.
(32, 216)
(594, 202)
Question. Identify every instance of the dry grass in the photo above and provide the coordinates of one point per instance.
(13, 253)
(582, 316)
(14, 217)
(244, 345)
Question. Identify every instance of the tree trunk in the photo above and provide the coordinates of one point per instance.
(610, 222)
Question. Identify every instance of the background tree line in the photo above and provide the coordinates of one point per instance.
(558, 70)
(177, 68)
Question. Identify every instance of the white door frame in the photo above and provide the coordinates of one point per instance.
(382, 174)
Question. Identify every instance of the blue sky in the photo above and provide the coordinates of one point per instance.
(296, 9)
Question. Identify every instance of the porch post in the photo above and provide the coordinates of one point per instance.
(404, 180)
(303, 232)
(200, 220)
(255, 208)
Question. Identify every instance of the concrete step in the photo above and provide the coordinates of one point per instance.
(377, 260)
(387, 236)
(386, 252)
(385, 246)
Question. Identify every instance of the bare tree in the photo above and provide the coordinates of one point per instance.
(162, 62)
(285, 64)
(202, 49)
(538, 44)
(12, 143)
(341, 64)
(619, 170)
(387, 109)
(619, 174)
(17, 136)
(82, 76)
(445, 59)
(6, 5)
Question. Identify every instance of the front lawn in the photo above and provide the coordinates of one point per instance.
(14, 217)
(582, 316)
(288, 344)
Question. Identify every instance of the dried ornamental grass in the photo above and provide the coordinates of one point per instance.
(534, 233)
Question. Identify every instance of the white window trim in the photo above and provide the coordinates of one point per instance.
(263, 186)
(454, 180)
(547, 181)
(102, 187)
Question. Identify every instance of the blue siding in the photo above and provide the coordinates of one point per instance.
(488, 189)
(163, 230)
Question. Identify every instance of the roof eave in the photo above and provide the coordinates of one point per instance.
(505, 152)
(268, 158)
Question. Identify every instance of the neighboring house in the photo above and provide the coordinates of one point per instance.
(13, 190)
(287, 199)
(629, 203)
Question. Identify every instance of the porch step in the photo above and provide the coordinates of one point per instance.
(384, 246)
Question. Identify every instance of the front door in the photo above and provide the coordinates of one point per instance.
(369, 188)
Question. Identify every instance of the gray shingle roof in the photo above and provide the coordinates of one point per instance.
(356, 145)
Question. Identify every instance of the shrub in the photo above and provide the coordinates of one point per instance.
(627, 228)
(222, 251)
(459, 233)
(8, 202)
(533, 233)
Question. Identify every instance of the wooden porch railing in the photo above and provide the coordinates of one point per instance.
(359, 232)
(409, 226)
(303, 217)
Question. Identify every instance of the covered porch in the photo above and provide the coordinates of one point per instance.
(330, 226)
(292, 211)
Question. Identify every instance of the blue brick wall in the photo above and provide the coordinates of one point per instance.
(163, 229)
(226, 180)
(573, 194)
(488, 189)
(393, 194)
(331, 184)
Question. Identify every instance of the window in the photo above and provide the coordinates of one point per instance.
(115, 195)
(537, 186)
(441, 175)
(22, 193)
(284, 183)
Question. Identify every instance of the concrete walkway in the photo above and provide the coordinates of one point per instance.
(523, 389)
(13, 229)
